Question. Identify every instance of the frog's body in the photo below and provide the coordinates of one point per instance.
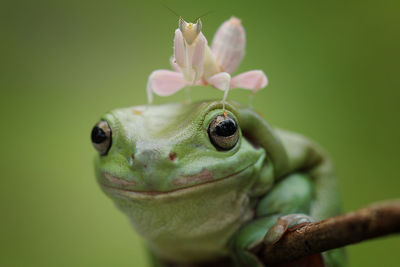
(193, 201)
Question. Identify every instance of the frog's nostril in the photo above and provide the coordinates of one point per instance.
(172, 156)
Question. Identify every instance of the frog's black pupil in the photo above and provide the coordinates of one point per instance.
(98, 135)
(226, 128)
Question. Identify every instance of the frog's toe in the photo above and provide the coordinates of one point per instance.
(276, 232)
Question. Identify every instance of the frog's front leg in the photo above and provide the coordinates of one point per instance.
(283, 207)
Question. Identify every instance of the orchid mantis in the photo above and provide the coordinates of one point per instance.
(195, 63)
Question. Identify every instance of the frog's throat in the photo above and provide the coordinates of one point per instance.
(138, 194)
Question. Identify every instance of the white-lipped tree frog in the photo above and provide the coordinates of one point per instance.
(200, 184)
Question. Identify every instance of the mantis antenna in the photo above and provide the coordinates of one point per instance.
(205, 14)
(179, 16)
(172, 11)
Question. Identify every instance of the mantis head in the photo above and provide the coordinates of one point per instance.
(190, 31)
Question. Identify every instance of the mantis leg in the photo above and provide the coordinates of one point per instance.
(221, 81)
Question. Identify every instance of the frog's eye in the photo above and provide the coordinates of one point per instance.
(223, 132)
(101, 137)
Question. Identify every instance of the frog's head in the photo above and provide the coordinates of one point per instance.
(156, 149)
(164, 148)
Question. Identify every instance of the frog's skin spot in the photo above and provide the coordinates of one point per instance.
(202, 177)
(136, 111)
(172, 156)
(118, 181)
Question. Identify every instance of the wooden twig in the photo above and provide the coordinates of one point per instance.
(373, 221)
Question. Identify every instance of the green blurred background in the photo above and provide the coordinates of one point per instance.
(333, 68)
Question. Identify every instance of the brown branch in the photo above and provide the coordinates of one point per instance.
(373, 221)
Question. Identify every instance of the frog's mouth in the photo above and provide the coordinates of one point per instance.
(205, 183)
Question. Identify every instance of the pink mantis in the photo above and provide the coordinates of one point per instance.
(195, 63)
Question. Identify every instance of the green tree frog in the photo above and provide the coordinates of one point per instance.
(202, 184)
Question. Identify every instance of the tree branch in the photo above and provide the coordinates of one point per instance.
(373, 221)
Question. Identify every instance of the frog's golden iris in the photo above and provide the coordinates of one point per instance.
(102, 137)
(223, 132)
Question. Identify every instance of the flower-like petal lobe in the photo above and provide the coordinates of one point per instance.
(220, 81)
(164, 83)
(229, 44)
(198, 56)
(252, 80)
(179, 48)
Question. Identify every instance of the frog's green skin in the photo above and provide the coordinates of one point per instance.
(194, 203)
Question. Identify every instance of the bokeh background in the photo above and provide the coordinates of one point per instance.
(333, 68)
